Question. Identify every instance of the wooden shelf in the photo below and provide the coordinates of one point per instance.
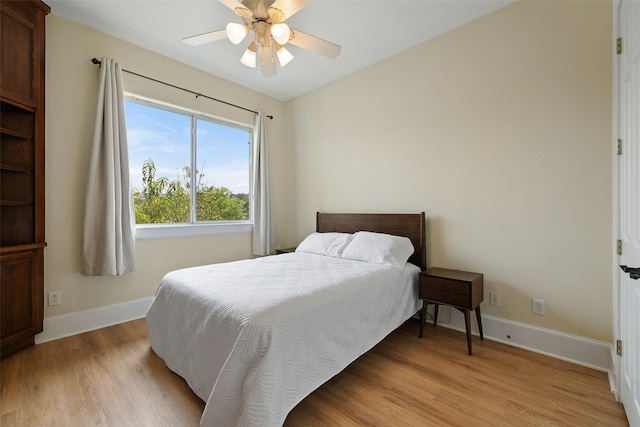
(17, 122)
(14, 132)
(5, 250)
(18, 104)
(15, 203)
(12, 168)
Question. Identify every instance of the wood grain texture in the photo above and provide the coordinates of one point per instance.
(111, 377)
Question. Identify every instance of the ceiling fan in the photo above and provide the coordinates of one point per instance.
(264, 20)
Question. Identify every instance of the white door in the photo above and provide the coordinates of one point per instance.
(629, 209)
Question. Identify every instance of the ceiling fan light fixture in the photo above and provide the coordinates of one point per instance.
(284, 56)
(236, 32)
(249, 56)
(281, 33)
(263, 21)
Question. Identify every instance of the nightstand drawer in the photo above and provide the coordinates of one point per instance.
(445, 297)
(437, 283)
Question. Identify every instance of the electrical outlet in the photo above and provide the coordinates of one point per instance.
(538, 307)
(55, 298)
(494, 298)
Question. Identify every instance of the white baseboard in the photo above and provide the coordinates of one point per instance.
(66, 325)
(571, 348)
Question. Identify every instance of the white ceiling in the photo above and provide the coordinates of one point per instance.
(368, 31)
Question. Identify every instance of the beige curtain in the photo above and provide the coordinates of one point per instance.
(109, 221)
(264, 237)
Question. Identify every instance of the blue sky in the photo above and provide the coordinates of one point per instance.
(164, 136)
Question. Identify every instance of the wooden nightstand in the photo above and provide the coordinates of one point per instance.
(285, 251)
(460, 289)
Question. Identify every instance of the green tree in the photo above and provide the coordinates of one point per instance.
(218, 203)
(164, 201)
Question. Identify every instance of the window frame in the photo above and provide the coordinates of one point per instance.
(196, 228)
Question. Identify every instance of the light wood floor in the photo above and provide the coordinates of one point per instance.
(111, 377)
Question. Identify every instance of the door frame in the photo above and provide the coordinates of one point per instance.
(614, 375)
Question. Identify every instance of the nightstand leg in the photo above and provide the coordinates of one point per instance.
(479, 322)
(467, 322)
(423, 317)
(435, 315)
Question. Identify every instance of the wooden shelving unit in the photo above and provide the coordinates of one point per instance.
(22, 237)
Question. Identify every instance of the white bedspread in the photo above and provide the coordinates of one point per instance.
(252, 338)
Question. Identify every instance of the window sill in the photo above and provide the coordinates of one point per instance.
(167, 231)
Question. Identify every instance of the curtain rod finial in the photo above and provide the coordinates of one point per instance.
(96, 61)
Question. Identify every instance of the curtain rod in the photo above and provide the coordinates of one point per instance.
(197, 94)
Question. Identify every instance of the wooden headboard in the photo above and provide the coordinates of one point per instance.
(407, 225)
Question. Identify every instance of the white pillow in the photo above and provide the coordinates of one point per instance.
(379, 248)
(328, 244)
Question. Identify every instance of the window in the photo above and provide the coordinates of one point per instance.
(186, 168)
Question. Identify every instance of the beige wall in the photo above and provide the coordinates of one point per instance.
(501, 132)
(71, 96)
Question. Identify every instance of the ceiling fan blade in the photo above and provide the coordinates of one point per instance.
(267, 61)
(314, 44)
(284, 9)
(238, 8)
(209, 37)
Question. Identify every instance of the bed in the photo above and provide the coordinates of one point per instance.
(252, 338)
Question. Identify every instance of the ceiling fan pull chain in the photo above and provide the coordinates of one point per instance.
(273, 51)
(271, 45)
